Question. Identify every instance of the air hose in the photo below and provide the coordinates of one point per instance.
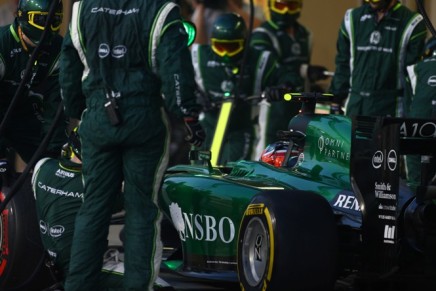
(426, 18)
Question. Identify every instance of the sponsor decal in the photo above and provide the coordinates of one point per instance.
(375, 37)
(103, 50)
(60, 192)
(64, 174)
(332, 148)
(119, 51)
(432, 81)
(377, 160)
(202, 227)
(57, 231)
(392, 160)
(43, 227)
(111, 11)
(389, 234)
(347, 202)
(254, 209)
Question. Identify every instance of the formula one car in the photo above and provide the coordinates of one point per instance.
(333, 213)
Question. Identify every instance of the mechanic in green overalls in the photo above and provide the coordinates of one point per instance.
(376, 42)
(218, 75)
(35, 111)
(422, 76)
(117, 60)
(58, 188)
(291, 42)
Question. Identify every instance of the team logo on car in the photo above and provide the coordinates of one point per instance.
(377, 160)
(392, 160)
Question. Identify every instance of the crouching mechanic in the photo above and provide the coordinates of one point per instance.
(58, 189)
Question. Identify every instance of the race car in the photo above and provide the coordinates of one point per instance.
(333, 212)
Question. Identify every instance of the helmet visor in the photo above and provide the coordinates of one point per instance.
(282, 7)
(227, 47)
(38, 20)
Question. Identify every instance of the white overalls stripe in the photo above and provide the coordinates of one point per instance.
(195, 53)
(158, 25)
(272, 37)
(264, 106)
(75, 37)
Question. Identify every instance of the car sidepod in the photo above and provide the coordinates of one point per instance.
(286, 239)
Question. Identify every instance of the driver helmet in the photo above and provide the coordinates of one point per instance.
(284, 13)
(32, 16)
(73, 147)
(430, 48)
(275, 153)
(228, 37)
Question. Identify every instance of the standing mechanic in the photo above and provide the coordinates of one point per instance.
(218, 74)
(376, 42)
(127, 55)
(422, 76)
(291, 42)
(34, 113)
(58, 189)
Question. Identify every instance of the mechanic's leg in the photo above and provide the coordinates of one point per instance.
(144, 169)
(102, 178)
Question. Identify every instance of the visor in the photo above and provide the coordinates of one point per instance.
(38, 19)
(227, 47)
(282, 7)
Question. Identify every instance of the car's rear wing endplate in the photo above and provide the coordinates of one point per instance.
(376, 146)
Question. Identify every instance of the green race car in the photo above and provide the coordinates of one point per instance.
(324, 208)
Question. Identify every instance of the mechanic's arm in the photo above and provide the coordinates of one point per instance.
(70, 78)
(175, 68)
(340, 84)
(416, 45)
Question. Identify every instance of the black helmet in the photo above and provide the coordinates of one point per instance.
(228, 36)
(73, 146)
(32, 16)
(284, 13)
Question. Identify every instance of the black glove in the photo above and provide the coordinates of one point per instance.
(195, 132)
(273, 94)
(316, 73)
(336, 109)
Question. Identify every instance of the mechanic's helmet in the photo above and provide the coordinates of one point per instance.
(32, 16)
(275, 153)
(73, 147)
(430, 48)
(284, 13)
(379, 4)
(228, 37)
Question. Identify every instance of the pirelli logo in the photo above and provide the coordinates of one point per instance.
(255, 209)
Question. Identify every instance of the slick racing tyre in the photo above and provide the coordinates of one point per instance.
(22, 258)
(287, 241)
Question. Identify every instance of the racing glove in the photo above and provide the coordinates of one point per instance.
(313, 72)
(195, 132)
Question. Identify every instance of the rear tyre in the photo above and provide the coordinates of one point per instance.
(22, 257)
(287, 241)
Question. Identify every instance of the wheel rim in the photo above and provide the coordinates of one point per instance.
(255, 251)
